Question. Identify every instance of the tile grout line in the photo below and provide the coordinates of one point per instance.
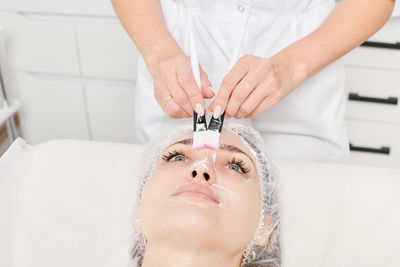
(83, 87)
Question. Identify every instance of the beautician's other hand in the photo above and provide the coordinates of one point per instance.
(253, 85)
(175, 88)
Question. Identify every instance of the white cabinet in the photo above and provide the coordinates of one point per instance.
(374, 143)
(373, 58)
(74, 75)
(106, 51)
(111, 112)
(39, 44)
(374, 94)
(389, 33)
(373, 105)
(50, 108)
(82, 7)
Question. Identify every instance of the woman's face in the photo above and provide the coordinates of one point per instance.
(193, 201)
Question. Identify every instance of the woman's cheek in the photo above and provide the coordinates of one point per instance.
(244, 205)
(163, 182)
(243, 191)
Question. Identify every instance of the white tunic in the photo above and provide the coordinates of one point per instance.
(306, 125)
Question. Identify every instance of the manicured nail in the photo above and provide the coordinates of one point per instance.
(211, 90)
(199, 109)
(217, 112)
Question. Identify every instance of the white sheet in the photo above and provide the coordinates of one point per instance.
(69, 203)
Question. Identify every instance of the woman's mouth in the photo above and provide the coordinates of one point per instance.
(197, 190)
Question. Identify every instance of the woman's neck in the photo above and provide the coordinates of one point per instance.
(168, 256)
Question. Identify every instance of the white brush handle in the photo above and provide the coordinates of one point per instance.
(194, 61)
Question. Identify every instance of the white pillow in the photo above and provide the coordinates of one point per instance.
(70, 203)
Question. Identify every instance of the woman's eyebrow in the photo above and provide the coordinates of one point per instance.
(225, 147)
(188, 141)
(235, 149)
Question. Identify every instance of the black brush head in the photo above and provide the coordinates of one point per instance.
(199, 122)
(216, 124)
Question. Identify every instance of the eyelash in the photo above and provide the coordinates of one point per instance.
(242, 166)
(170, 155)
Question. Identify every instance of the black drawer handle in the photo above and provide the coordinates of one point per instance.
(381, 45)
(383, 150)
(390, 100)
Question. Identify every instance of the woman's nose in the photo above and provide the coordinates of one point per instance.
(203, 175)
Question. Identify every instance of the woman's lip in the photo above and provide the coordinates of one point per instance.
(197, 188)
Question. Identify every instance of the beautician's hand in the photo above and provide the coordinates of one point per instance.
(253, 85)
(175, 88)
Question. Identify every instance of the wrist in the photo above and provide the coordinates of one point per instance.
(293, 71)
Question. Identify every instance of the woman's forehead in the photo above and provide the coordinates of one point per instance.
(227, 138)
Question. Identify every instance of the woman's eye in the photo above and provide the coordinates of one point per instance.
(238, 165)
(174, 156)
(178, 158)
(235, 168)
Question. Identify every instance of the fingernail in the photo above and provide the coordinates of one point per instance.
(211, 89)
(217, 112)
(199, 109)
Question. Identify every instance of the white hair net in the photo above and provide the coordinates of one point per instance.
(256, 253)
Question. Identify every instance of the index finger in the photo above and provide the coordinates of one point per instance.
(186, 80)
(234, 76)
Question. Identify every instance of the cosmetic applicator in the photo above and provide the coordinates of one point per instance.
(199, 131)
(215, 127)
(199, 121)
(212, 135)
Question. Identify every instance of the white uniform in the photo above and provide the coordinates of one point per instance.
(306, 125)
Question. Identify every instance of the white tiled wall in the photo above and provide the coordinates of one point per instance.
(51, 108)
(110, 111)
(73, 68)
(108, 41)
(40, 44)
(61, 7)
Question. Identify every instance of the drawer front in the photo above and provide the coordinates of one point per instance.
(385, 58)
(50, 108)
(374, 143)
(40, 44)
(111, 111)
(373, 94)
(383, 52)
(106, 51)
(83, 7)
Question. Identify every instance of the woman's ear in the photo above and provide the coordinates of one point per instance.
(264, 232)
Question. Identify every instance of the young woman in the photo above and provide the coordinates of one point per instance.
(194, 211)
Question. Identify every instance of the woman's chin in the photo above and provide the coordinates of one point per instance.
(186, 216)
